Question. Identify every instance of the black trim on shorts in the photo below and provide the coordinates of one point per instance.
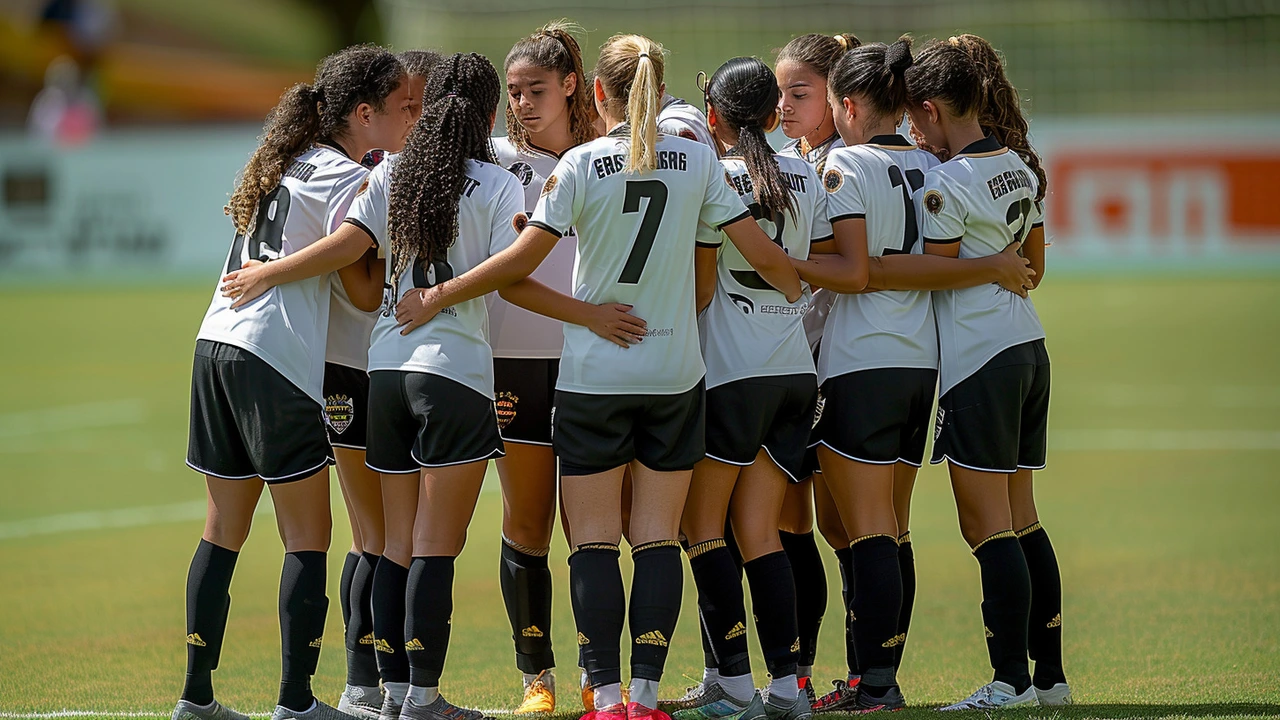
(543, 226)
(745, 214)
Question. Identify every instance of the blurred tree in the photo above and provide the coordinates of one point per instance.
(351, 21)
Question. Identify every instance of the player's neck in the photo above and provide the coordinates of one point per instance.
(822, 133)
(885, 126)
(961, 134)
(557, 138)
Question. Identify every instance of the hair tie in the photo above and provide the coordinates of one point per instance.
(644, 54)
(844, 42)
(449, 95)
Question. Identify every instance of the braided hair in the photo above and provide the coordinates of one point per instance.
(460, 99)
(744, 93)
(552, 47)
(307, 112)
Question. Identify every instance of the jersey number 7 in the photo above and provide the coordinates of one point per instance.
(656, 192)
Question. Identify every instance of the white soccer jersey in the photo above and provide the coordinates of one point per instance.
(879, 181)
(287, 326)
(749, 329)
(513, 331)
(636, 235)
(454, 344)
(678, 117)
(817, 155)
(820, 304)
(984, 199)
(349, 329)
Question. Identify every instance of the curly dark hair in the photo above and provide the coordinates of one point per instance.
(459, 103)
(552, 47)
(968, 75)
(874, 72)
(744, 93)
(820, 52)
(309, 112)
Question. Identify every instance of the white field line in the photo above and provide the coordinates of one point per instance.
(71, 417)
(111, 519)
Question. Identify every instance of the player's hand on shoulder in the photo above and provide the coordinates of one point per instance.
(1015, 270)
(248, 283)
(615, 323)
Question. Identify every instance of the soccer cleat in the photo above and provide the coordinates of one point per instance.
(713, 704)
(317, 711)
(806, 687)
(798, 709)
(539, 698)
(186, 710)
(993, 695)
(612, 712)
(438, 709)
(364, 703)
(1059, 694)
(865, 702)
(390, 708)
(636, 711)
(692, 698)
(842, 699)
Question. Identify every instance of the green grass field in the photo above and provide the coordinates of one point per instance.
(1161, 496)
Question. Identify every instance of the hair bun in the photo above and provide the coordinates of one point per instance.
(897, 57)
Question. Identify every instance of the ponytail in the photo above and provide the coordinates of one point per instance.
(631, 68)
(309, 112)
(430, 174)
(875, 73)
(744, 93)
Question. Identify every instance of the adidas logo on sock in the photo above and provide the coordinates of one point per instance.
(852, 617)
(531, 631)
(795, 646)
(316, 643)
(987, 630)
(582, 639)
(382, 646)
(367, 639)
(738, 631)
(894, 641)
(1055, 622)
(413, 644)
(653, 637)
(194, 639)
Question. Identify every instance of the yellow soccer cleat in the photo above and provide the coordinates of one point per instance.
(539, 698)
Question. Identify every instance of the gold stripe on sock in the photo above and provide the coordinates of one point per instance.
(873, 535)
(904, 538)
(655, 544)
(534, 552)
(1029, 529)
(705, 546)
(998, 536)
(595, 546)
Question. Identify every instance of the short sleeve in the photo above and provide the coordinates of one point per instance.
(844, 183)
(1037, 214)
(821, 229)
(943, 215)
(368, 211)
(708, 237)
(508, 218)
(349, 185)
(720, 202)
(560, 202)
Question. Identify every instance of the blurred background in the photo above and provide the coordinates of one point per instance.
(124, 122)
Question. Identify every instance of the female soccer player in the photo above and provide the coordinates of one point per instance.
(994, 367)
(346, 392)
(256, 398)
(802, 67)
(636, 199)
(760, 403)
(548, 112)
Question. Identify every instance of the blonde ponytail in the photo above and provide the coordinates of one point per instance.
(631, 68)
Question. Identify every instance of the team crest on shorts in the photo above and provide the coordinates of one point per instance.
(933, 201)
(550, 184)
(832, 180)
(523, 172)
(519, 222)
(340, 411)
(505, 406)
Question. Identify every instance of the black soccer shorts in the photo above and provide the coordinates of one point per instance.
(878, 416)
(419, 420)
(524, 391)
(770, 413)
(595, 433)
(346, 405)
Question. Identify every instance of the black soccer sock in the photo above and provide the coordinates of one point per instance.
(720, 605)
(389, 580)
(877, 600)
(708, 650)
(362, 663)
(907, 566)
(303, 606)
(349, 563)
(429, 608)
(656, 590)
(1006, 603)
(811, 590)
(599, 610)
(526, 591)
(1044, 636)
(845, 556)
(208, 581)
(773, 600)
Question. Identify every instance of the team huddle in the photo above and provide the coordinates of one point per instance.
(657, 326)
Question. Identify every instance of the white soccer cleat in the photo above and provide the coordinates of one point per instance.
(364, 703)
(318, 711)
(186, 710)
(1059, 694)
(995, 695)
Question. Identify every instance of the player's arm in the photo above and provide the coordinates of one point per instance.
(364, 280)
(705, 258)
(845, 272)
(1033, 251)
(611, 321)
(769, 260)
(940, 269)
(335, 251)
